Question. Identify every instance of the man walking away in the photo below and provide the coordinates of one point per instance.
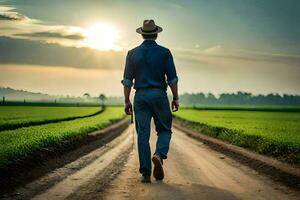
(152, 68)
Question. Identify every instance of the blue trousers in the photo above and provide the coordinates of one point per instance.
(147, 104)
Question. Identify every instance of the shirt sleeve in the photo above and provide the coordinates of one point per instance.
(128, 72)
(171, 70)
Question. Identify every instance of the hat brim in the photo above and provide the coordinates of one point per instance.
(158, 30)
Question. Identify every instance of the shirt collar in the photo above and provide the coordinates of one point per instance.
(149, 42)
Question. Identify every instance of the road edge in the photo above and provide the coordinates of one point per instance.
(276, 170)
(21, 172)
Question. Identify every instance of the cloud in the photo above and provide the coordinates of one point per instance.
(8, 14)
(214, 50)
(11, 16)
(23, 51)
(248, 55)
(218, 53)
(58, 35)
(16, 25)
(218, 69)
(24, 40)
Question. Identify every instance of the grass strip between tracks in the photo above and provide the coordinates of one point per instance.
(15, 144)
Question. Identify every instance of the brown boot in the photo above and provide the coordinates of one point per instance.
(146, 179)
(158, 171)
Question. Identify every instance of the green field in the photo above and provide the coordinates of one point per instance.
(273, 108)
(272, 133)
(20, 142)
(18, 116)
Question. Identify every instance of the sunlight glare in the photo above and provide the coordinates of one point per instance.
(102, 36)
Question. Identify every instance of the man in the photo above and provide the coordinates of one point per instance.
(152, 68)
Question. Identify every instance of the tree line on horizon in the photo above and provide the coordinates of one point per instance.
(186, 99)
(238, 98)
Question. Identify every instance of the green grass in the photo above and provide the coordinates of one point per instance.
(275, 108)
(23, 141)
(17, 116)
(272, 133)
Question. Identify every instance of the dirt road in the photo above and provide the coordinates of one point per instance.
(193, 171)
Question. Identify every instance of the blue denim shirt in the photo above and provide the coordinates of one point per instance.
(149, 65)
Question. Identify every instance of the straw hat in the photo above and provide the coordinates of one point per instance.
(149, 28)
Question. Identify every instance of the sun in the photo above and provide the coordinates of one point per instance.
(102, 36)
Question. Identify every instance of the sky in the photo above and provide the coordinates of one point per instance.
(74, 46)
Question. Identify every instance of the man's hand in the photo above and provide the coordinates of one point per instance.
(175, 105)
(128, 108)
(175, 102)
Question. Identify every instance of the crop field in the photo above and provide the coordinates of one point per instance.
(272, 133)
(22, 141)
(17, 116)
(273, 108)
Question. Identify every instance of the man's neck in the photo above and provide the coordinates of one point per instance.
(148, 42)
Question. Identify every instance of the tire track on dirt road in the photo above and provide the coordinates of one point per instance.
(71, 183)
